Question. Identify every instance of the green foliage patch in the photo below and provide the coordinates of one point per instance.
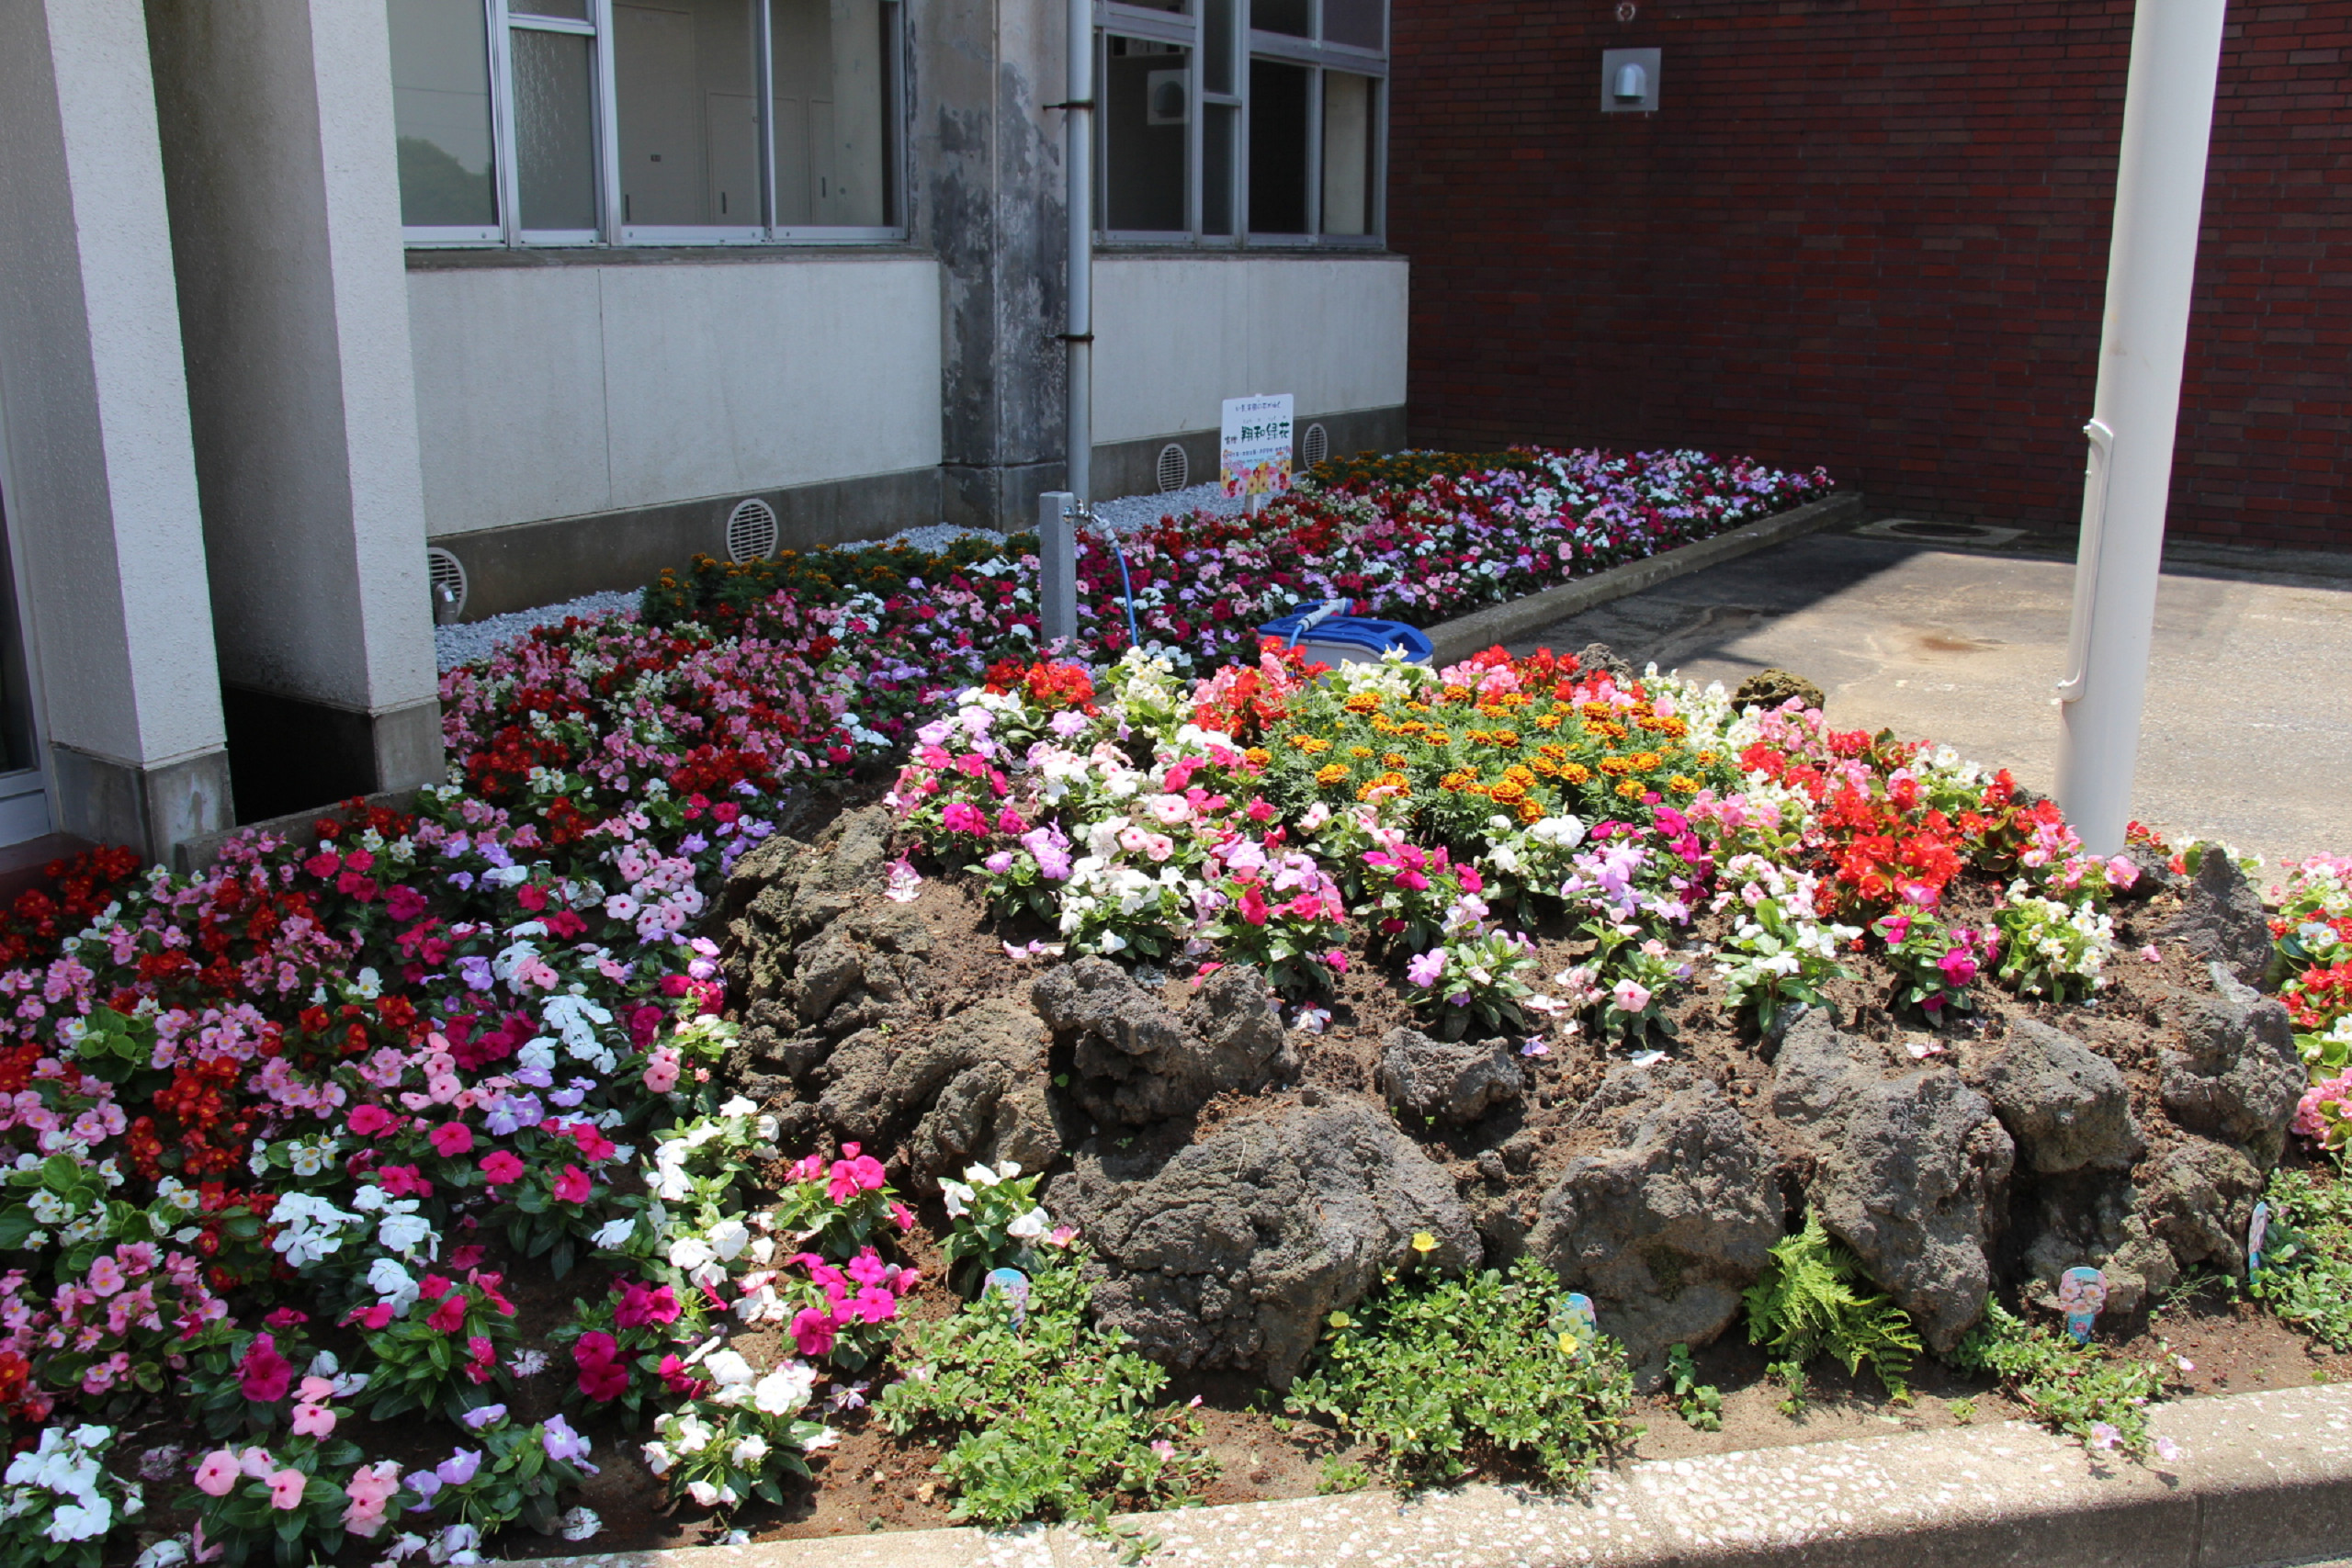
(2083, 1390)
(2306, 1274)
(1813, 1299)
(1052, 1419)
(1426, 1368)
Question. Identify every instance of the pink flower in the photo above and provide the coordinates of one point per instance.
(285, 1489)
(813, 1332)
(962, 816)
(572, 1186)
(370, 1487)
(263, 1373)
(876, 1304)
(1631, 996)
(501, 1166)
(106, 1275)
(450, 1317)
(314, 1421)
(1959, 967)
(217, 1474)
(662, 1070)
(366, 1121)
(451, 1139)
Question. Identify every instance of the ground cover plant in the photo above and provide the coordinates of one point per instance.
(614, 1118)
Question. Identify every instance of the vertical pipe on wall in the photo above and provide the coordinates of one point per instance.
(2159, 193)
(1077, 128)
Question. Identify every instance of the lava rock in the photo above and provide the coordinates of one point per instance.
(2223, 920)
(977, 1081)
(1136, 1061)
(1672, 1219)
(2239, 1076)
(2197, 1198)
(2064, 1105)
(1910, 1171)
(1770, 688)
(1450, 1083)
(1600, 656)
(1229, 1254)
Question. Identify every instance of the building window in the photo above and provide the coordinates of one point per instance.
(1242, 121)
(646, 121)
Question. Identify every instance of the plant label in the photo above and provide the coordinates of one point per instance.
(1574, 1320)
(2257, 1231)
(1254, 448)
(2081, 1293)
(1013, 1286)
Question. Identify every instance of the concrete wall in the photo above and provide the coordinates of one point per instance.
(95, 459)
(1177, 335)
(553, 391)
(284, 210)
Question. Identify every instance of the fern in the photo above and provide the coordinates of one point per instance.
(1812, 1299)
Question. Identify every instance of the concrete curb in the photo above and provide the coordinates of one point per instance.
(1459, 638)
(2262, 1477)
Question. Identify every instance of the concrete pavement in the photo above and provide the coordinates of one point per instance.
(2248, 733)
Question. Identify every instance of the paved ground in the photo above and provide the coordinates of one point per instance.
(2248, 734)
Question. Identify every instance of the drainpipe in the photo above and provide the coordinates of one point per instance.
(2159, 192)
(1078, 129)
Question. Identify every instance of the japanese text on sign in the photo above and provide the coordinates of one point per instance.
(1254, 451)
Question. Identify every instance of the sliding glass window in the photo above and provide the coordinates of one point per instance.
(663, 122)
(1230, 122)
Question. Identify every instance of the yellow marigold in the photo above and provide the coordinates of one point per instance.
(1684, 783)
(1359, 752)
(1416, 708)
(1386, 784)
(1631, 789)
(1478, 736)
(1520, 771)
(1392, 759)
(1613, 731)
(1648, 762)
(1508, 738)
(1575, 772)
(1456, 693)
(1510, 792)
(1492, 709)
(1413, 726)
(1436, 737)
(1555, 751)
(1549, 721)
(1675, 728)
(1314, 746)
(1330, 773)
(1515, 699)
(1547, 769)
(1258, 755)
(1362, 702)
(1616, 767)
(1383, 724)
(1706, 759)
(1530, 811)
(1598, 712)
(1460, 779)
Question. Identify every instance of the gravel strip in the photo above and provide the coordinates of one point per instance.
(470, 640)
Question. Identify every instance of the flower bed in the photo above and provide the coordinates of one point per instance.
(372, 1193)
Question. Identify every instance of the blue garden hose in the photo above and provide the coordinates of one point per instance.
(1134, 638)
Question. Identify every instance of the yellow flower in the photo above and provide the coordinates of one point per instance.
(1632, 789)
(1386, 784)
(1362, 702)
(1706, 759)
(1648, 762)
(1359, 752)
(1436, 737)
(1392, 759)
(1313, 746)
(1258, 755)
(1549, 721)
(1575, 772)
(1424, 1242)
(1684, 783)
(1616, 767)
(1330, 773)
(1530, 812)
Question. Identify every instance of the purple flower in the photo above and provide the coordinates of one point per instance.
(477, 1419)
(474, 970)
(562, 1442)
(1424, 970)
(460, 1467)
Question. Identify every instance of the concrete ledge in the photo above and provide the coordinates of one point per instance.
(1459, 638)
(192, 856)
(2263, 1478)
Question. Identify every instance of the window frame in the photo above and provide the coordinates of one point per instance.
(504, 17)
(1188, 28)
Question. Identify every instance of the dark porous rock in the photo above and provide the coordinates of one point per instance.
(1672, 1219)
(1599, 656)
(2238, 1076)
(2065, 1105)
(977, 1081)
(1230, 1253)
(1770, 688)
(1440, 1082)
(2197, 1198)
(1137, 1061)
(2223, 920)
(2155, 875)
(1911, 1171)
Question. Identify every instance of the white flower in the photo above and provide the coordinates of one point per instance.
(81, 1521)
(748, 1452)
(727, 1368)
(979, 1176)
(1029, 1226)
(658, 1458)
(169, 1552)
(615, 1232)
(728, 1237)
(704, 1494)
(784, 1390)
(579, 1524)
(392, 1283)
(960, 1198)
(690, 1252)
(692, 1434)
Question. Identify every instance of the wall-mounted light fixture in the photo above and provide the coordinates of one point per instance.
(1629, 81)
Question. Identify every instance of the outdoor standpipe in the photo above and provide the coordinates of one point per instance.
(2159, 193)
(1078, 129)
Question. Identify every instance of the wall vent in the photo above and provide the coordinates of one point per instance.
(446, 575)
(1314, 446)
(750, 531)
(1175, 468)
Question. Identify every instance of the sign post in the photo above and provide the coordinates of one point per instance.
(1254, 447)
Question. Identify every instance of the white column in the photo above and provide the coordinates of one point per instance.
(285, 198)
(2159, 192)
(98, 477)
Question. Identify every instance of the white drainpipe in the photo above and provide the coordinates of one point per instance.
(2159, 192)
(1077, 128)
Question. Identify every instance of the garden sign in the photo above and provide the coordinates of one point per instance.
(1254, 450)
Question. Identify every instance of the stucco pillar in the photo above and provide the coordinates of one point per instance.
(98, 477)
(988, 198)
(285, 205)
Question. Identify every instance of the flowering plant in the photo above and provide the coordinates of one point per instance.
(1776, 952)
(997, 1224)
(517, 1472)
(1475, 974)
(1934, 965)
(441, 1350)
(293, 1499)
(58, 1500)
(2053, 949)
(733, 1442)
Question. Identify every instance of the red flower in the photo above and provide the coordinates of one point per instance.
(263, 1373)
(366, 1121)
(572, 1186)
(451, 1139)
(502, 1167)
(450, 1317)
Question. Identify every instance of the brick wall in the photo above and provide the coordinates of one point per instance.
(1870, 234)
